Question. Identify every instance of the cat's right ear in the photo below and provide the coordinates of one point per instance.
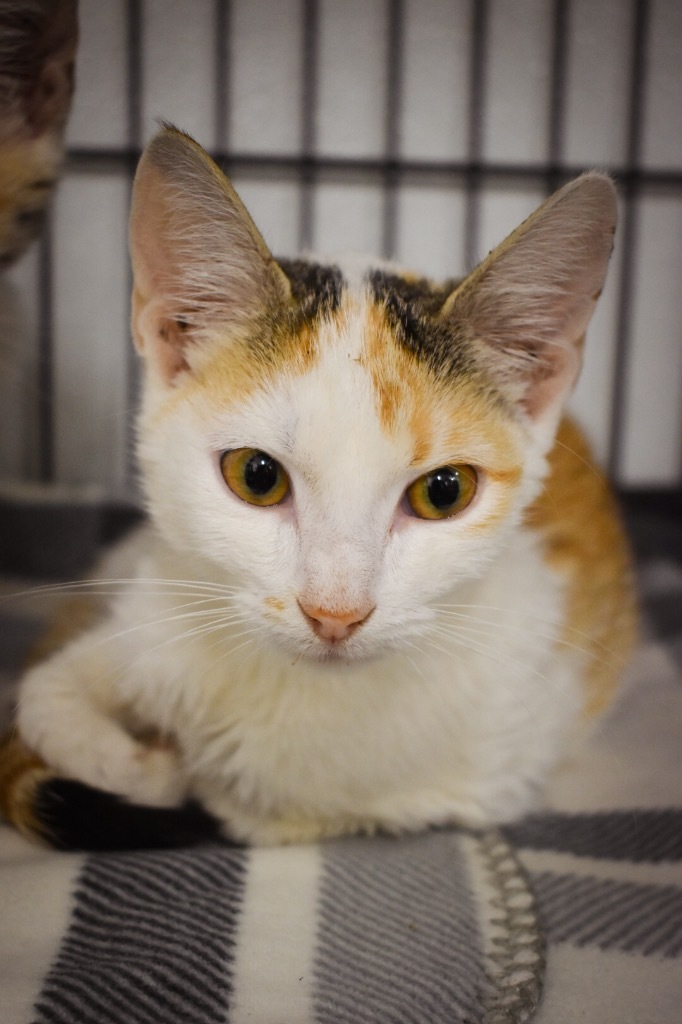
(201, 269)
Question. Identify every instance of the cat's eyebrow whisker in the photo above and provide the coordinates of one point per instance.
(581, 458)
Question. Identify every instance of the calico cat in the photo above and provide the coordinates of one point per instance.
(37, 50)
(384, 586)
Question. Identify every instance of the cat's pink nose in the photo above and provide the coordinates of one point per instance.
(337, 624)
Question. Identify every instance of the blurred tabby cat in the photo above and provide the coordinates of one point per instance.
(37, 46)
(37, 49)
(384, 586)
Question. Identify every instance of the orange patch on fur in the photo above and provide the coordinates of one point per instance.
(584, 541)
(21, 772)
(403, 389)
(449, 421)
(239, 366)
(275, 603)
(229, 368)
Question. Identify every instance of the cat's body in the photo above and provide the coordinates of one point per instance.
(364, 602)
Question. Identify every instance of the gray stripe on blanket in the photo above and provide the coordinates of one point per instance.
(150, 940)
(635, 835)
(645, 919)
(399, 939)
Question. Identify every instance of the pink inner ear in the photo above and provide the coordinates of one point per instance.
(170, 343)
(160, 338)
(554, 377)
(196, 255)
(535, 354)
(153, 262)
(528, 304)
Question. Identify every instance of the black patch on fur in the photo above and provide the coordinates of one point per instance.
(413, 306)
(75, 816)
(315, 287)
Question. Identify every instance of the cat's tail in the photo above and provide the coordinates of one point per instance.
(70, 815)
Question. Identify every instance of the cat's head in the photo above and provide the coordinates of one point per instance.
(37, 50)
(345, 451)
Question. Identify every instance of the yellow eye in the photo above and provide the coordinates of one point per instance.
(442, 493)
(254, 476)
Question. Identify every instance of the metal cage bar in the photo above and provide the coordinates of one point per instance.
(631, 190)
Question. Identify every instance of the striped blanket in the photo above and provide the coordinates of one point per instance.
(573, 915)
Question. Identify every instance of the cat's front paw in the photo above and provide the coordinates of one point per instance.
(143, 773)
(157, 777)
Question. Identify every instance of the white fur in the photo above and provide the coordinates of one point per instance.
(425, 714)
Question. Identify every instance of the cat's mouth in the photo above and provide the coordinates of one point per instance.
(342, 653)
(335, 653)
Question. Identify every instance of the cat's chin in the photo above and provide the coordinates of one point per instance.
(336, 656)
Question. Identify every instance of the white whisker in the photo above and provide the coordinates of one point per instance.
(502, 657)
(559, 638)
(153, 624)
(406, 656)
(453, 609)
(122, 585)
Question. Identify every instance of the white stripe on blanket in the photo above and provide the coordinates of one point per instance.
(276, 931)
(35, 905)
(585, 987)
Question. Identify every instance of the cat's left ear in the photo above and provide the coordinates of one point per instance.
(527, 305)
(200, 266)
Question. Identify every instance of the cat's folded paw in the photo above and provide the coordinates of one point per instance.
(143, 773)
(157, 777)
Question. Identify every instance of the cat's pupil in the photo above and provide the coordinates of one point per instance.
(443, 488)
(261, 473)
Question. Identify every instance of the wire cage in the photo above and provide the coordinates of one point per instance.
(417, 130)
